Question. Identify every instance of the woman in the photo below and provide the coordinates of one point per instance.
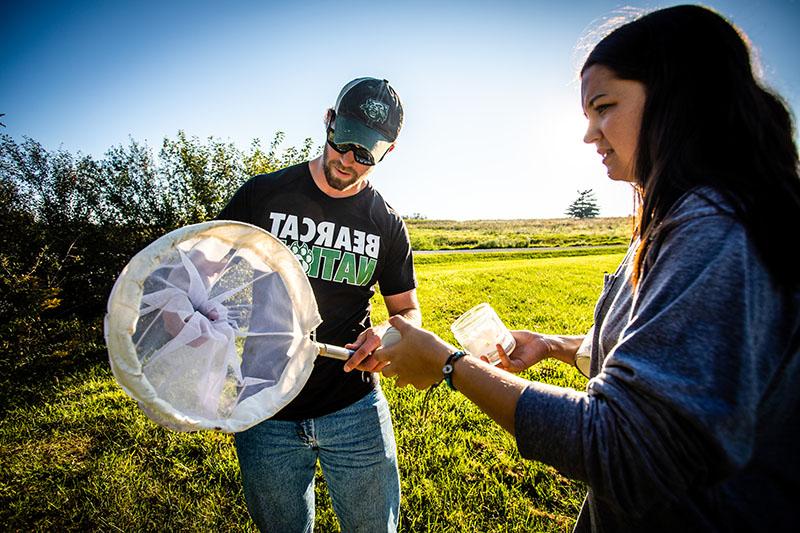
(691, 416)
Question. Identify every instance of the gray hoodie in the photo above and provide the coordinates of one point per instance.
(691, 416)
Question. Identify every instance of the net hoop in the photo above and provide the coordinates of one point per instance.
(123, 314)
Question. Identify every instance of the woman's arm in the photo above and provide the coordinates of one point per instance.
(419, 357)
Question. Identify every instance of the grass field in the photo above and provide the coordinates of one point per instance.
(84, 457)
(473, 234)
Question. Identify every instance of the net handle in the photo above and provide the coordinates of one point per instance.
(389, 337)
(334, 352)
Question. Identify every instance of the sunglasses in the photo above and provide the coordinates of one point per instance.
(360, 154)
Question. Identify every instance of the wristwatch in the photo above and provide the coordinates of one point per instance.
(447, 369)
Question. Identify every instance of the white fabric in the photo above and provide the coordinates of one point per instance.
(208, 327)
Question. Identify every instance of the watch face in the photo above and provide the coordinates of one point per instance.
(448, 369)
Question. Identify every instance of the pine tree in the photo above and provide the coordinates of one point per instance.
(585, 206)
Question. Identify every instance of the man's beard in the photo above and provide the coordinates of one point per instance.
(334, 181)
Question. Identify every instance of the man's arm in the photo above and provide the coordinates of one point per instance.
(404, 304)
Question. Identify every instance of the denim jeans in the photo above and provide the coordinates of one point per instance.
(356, 449)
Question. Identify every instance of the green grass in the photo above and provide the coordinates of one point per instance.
(475, 234)
(80, 455)
(458, 257)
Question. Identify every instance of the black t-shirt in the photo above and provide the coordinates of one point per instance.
(346, 246)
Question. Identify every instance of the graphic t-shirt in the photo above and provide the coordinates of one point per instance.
(346, 246)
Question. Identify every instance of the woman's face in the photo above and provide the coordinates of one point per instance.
(614, 109)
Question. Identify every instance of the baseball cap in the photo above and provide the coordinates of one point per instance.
(368, 113)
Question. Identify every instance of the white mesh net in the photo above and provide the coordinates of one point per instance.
(209, 327)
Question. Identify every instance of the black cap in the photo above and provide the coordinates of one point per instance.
(368, 113)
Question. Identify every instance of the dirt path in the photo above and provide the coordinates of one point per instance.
(509, 250)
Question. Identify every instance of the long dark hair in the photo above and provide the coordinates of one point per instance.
(708, 121)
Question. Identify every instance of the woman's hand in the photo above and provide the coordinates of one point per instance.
(531, 348)
(417, 358)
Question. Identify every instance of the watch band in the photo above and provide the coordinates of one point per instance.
(447, 369)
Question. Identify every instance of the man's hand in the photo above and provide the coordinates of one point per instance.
(367, 342)
(174, 324)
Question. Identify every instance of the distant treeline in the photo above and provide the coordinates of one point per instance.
(70, 222)
(521, 233)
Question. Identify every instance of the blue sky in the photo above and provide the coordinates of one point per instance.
(493, 123)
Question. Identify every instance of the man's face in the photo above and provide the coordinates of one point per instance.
(341, 170)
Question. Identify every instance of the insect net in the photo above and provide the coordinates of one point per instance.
(209, 327)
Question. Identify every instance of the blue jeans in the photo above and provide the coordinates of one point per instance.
(356, 449)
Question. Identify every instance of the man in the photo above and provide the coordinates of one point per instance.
(348, 239)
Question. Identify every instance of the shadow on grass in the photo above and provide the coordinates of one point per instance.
(84, 457)
(33, 365)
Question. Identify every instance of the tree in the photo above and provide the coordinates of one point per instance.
(585, 206)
